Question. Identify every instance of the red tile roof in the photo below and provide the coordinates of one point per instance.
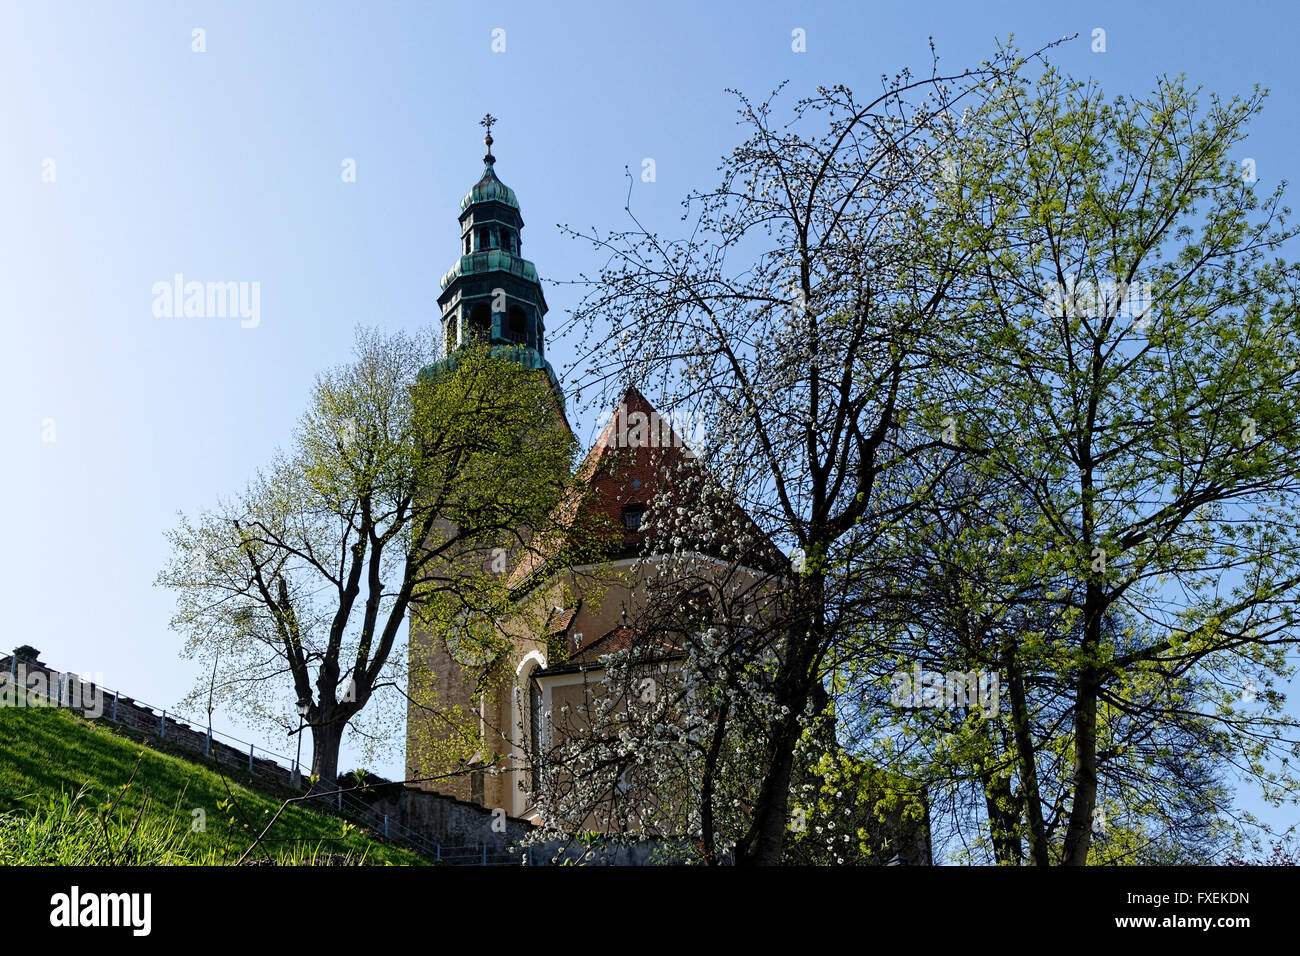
(632, 461)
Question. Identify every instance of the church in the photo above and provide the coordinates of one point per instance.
(493, 293)
(569, 617)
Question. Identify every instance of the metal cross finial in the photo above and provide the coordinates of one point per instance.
(487, 122)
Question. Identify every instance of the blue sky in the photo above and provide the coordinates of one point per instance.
(225, 166)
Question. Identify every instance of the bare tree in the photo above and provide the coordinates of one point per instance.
(810, 310)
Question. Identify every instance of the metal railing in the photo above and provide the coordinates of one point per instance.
(112, 699)
(340, 801)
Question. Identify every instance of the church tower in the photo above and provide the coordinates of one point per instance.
(492, 292)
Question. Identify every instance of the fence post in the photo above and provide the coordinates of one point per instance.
(340, 796)
(438, 850)
(250, 758)
(207, 744)
(485, 852)
(114, 706)
(162, 727)
(58, 692)
(385, 826)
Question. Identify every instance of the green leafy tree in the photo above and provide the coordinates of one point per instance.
(406, 480)
(1138, 387)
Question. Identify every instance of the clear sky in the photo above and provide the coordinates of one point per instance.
(225, 165)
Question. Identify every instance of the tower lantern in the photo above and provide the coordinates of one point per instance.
(492, 292)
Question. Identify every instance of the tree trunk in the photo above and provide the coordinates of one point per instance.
(326, 739)
(707, 785)
(763, 844)
(1078, 837)
(1027, 760)
(1000, 805)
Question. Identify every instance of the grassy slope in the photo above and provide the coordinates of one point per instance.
(45, 751)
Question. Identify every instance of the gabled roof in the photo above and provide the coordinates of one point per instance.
(558, 621)
(633, 460)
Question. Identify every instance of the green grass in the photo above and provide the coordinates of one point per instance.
(73, 791)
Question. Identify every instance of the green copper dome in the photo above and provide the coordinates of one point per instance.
(493, 260)
(489, 188)
(492, 294)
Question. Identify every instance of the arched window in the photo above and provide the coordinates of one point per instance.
(518, 332)
(534, 722)
(469, 244)
(531, 724)
(484, 238)
(480, 321)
